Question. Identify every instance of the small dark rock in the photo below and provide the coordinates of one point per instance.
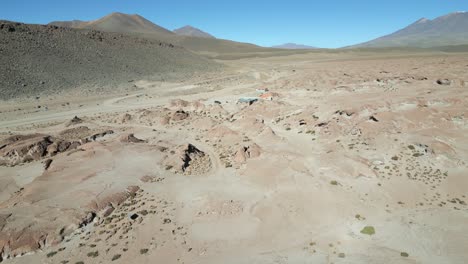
(444, 82)
(133, 216)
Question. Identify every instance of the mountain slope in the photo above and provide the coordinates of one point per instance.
(40, 59)
(142, 28)
(293, 46)
(451, 29)
(192, 32)
(117, 22)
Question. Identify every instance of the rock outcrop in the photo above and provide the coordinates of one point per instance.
(245, 153)
(188, 159)
(130, 138)
(26, 148)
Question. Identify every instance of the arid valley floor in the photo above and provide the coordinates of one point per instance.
(347, 158)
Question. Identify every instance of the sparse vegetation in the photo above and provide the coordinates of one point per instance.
(359, 217)
(144, 251)
(51, 254)
(93, 254)
(116, 257)
(368, 230)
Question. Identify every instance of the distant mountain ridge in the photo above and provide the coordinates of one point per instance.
(450, 29)
(293, 46)
(192, 32)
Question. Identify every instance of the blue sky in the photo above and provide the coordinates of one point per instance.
(325, 23)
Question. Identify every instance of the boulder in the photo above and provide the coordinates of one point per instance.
(188, 159)
(74, 121)
(126, 118)
(245, 153)
(444, 82)
(179, 115)
(130, 138)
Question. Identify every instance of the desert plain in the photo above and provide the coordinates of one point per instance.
(341, 157)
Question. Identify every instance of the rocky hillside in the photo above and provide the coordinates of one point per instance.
(40, 59)
(188, 37)
(117, 22)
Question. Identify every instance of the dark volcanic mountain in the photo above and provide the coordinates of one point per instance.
(192, 39)
(451, 29)
(116, 22)
(39, 59)
(193, 32)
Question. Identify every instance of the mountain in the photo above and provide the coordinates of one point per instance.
(293, 46)
(117, 22)
(451, 29)
(61, 59)
(140, 27)
(193, 32)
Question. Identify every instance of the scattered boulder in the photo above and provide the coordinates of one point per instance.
(443, 82)
(100, 135)
(133, 216)
(322, 124)
(130, 138)
(373, 118)
(47, 164)
(179, 115)
(344, 112)
(74, 121)
(126, 118)
(245, 153)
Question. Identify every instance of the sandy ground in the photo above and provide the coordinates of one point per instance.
(348, 141)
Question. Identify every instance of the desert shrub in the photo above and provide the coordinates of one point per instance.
(368, 230)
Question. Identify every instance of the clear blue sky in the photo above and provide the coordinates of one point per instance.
(324, 23)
